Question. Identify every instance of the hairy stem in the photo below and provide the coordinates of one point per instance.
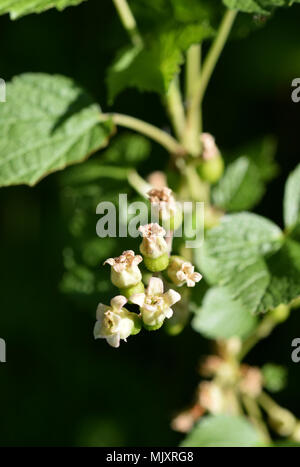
(160, 136)
(175, 108)
(212, 58)
(128, 21)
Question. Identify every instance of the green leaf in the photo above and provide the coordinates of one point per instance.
(284, 270)
(292, 199)
(47, 123)
(255, 6)
(233, 255)
(235, 192)
(223, 431)
(24, 7)
(153, 67)
(221, 317)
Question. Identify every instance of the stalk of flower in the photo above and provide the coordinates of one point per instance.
(154, 247)
(115, 322)
(125, 273)
(165, 208)
(155, 305)
(182, 272)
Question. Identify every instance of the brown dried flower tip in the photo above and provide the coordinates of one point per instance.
(209, 147)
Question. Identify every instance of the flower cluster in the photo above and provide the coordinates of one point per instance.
(114, 322)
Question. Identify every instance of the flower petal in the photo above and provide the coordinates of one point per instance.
(114, 340)
(155, 287)
(171, 297)
(169, 313)
(118, 302)
(110, 261)
(138, 299)
(101, 309)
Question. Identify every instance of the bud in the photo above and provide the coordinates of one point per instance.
(281, 313)
(211, 397)
(165, 207)
(154, 247)
(251, 381)
(124, 269)
(115, 322)
(212, 166)
(155, 305)
(182, 272)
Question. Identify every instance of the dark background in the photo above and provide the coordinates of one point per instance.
(59, 386)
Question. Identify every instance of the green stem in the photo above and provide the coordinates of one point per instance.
(256, 417)
(272, 319)
(160, 136)
(212, 58)
(175, 108)
(138, 183)
(193, 121)
(128, 21)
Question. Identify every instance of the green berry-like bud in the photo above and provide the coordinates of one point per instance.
(157, 264)
(211, 170)
(281, 313)
(153, 328)
(174, 222)
(128, 291)
(137, 325)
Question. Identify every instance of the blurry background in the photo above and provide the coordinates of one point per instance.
(59, 386)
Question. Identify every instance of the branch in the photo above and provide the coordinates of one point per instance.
(128, 21)
(212, 58)
(158, 135)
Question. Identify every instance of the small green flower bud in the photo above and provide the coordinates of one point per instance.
(282, 421)
(211, 170)
(127, 292)
(157, 264)
(281, 313)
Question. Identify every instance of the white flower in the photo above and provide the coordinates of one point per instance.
(162, 202)
(187, 275)
(114, 322)
(182, 272)
(209, 147)
(153, 244)
(155, 305)
(124, 269)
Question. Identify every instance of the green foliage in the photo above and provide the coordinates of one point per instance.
(221, 317)
(234, 191)
(292, 199)
(25, 7)
(47, 123)
(233, 255)
(274, 377)
(222, 431)
(152, 68)
(168, 28)
(256, 6)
